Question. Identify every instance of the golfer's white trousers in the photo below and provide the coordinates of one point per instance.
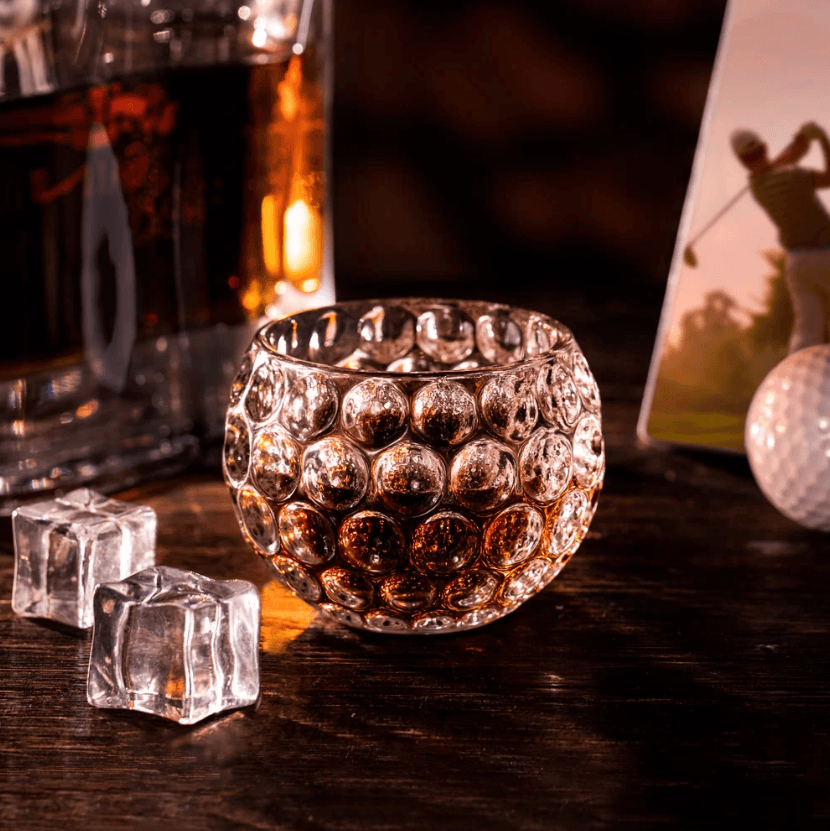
(808, 279)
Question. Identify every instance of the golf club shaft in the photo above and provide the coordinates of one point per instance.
(733, 200)
(718, 215)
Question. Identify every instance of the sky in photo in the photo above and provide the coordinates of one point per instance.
(773, 74)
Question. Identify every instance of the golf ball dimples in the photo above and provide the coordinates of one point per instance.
(788, 437)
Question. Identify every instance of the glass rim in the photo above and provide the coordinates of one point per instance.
(565, 339)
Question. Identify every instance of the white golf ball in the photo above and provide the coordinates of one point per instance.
(787, 436)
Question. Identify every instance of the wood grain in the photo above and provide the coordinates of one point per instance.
(676, 675)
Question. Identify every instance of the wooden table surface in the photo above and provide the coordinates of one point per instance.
(675, 675)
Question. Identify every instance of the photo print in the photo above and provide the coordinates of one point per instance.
(750, 277)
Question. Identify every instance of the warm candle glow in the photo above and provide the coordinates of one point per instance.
(270, 246)
(303, 246)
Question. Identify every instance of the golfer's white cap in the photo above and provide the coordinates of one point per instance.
(745, 141)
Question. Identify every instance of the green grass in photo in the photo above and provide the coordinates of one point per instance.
(713, 429)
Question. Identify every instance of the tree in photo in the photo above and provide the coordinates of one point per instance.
(708, 369)
(771, 328)
(721, 355)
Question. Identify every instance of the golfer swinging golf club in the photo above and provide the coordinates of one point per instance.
(787, 193)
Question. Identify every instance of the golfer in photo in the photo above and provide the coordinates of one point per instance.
(787, 193)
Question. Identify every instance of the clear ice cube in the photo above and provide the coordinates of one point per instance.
(64, 547)
(175, 644)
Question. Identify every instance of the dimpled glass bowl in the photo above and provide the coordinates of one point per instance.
(414, 465)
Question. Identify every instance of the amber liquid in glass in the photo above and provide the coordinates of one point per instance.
(213, 163)
(144, 226)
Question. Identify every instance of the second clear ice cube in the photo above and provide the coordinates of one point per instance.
(176, 644)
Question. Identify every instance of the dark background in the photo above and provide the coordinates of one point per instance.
(524, 145)
(676, 674)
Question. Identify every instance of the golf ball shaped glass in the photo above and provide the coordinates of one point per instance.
(415, 466)
(788, 437)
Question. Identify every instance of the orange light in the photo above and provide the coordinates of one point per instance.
(270, 247)
(289, 89)
(303, 246)
(174, 688)
(284, 617)
(86, 410)
(251, 299)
